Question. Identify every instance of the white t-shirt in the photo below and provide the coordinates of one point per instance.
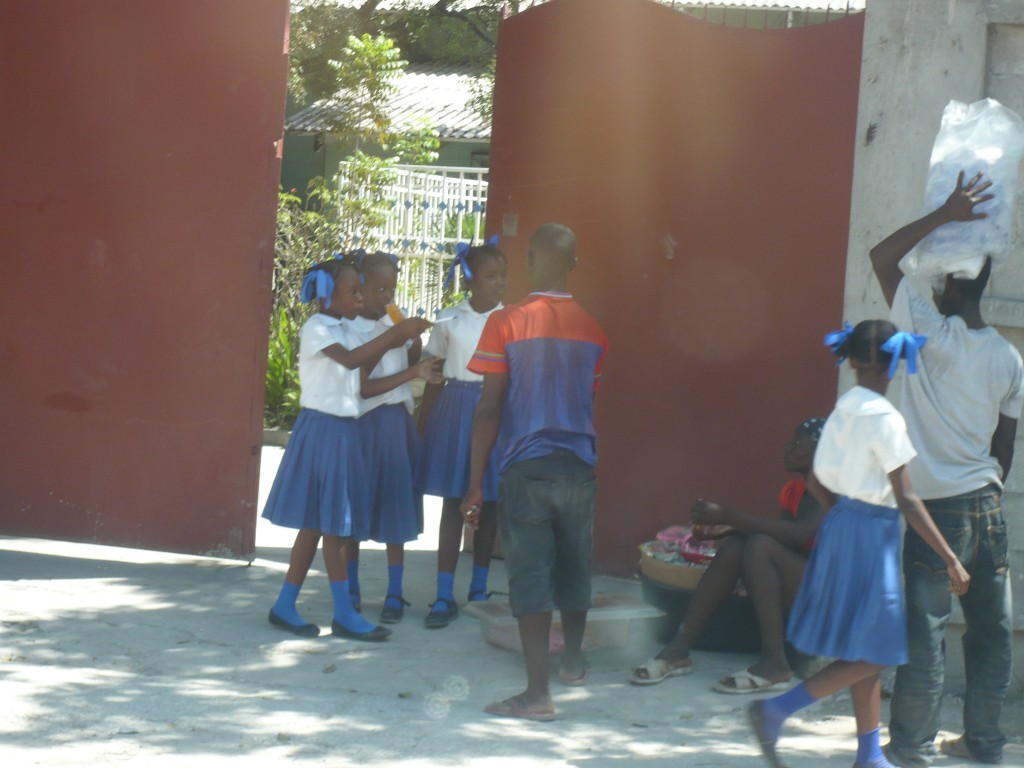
(394, 361)
(455, 340)
(327, 385)
(965, 379)
(863, 440)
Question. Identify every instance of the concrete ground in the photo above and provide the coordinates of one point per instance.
(112, 656)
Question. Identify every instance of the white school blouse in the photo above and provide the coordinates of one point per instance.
(863, 440)
(455, 340)
(326, 385)
(394, 361)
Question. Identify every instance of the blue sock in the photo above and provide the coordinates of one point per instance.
(395, 573)
(869, 751)
(445, 587)
(344, 613)
(353, 581)
(777, 709)
(285, 605)
(478, 586)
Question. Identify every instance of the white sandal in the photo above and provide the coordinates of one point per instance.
(746, 681)
(657, 670)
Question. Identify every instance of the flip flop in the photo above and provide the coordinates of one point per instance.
(514, 706)
(574, 681)
(745, 682)
(755, 716)
(658, 670)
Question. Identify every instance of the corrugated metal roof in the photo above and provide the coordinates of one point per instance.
(836, 6)
(794, 5)
(439, 94)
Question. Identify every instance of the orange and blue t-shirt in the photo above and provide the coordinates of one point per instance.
(553, 352)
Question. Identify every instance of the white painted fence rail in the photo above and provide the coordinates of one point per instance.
(431, 208)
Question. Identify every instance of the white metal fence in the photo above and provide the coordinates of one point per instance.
(431, 208)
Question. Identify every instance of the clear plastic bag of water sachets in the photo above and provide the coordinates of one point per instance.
(983, 137)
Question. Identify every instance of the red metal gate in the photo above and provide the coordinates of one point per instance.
(138, 209)
(706, 171)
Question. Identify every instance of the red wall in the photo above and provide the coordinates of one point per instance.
(138, 211)
(630, 123)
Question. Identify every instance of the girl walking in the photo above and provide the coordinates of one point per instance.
(446, 420)
(850, 604)
(394, 511)
(320, 486)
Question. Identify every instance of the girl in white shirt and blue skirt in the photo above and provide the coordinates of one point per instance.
(446, 421)
(850, 605)
(320, 488)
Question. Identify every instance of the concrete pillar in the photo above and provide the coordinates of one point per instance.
(918, 55)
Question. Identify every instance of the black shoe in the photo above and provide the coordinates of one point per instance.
(442, 613)
(479, 596)
(755, 716)
(389, 615)
(375, 635)
(302, 630)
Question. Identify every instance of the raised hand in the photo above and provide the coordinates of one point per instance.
(412, 327)
(959, 206)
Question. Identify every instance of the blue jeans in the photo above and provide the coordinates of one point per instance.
(974, 527)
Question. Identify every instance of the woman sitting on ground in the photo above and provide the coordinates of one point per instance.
(769, 556)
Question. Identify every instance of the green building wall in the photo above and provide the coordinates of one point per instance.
(301, 162)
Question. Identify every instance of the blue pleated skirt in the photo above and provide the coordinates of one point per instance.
(850, 604)
(443, 468)
(394, 514)
(320, 483)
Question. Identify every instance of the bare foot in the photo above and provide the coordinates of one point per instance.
(574, 674)
(522, 707)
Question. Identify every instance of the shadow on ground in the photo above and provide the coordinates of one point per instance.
(109, 655)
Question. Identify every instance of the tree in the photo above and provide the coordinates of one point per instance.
(456, 32)
(327, 220)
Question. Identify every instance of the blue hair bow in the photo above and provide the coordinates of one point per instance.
(905, 345)
(836, 339)
(461, 254)
(318, 284)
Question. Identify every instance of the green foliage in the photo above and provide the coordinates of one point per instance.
(363, 205)
(367, 75)
(318, 35)
(429, 37)
(281, 404)
(456, 32)
(307, 233)
(482, 100)
(327, 219)
(417, 144)
(366, 80)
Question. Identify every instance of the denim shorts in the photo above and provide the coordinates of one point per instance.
(546, 517)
